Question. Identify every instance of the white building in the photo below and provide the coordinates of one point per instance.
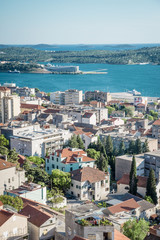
(89, 118)
(73, 96)
(10, 177)
(9, 105)
(138, 100)
(89, 183)
(57, 97)
(39, 142)
(30, 191)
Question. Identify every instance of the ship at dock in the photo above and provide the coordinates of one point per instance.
(59, 69)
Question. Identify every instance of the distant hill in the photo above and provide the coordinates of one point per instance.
(132, 56)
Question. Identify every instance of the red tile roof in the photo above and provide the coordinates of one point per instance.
(31, 106)
(79, 238)
(125, 206)
(4, 89)
(142, 181)
(70, 156)
(119, 236)
(157, 122)
(36, 216)
(4, 216)
(88, 174)
(4, 164)
(87, 115)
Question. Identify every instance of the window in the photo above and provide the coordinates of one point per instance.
(71, 184)
(78, 195)
(57, 167)
(57, 159)
(47, 168)
(52, 165)
(79, 187)
(72, 193)
(71, 169)
(52, 158)
(9, 180)
(51, 221)
(47, 160)
(12, 179)
(76, 186)
(106, 181)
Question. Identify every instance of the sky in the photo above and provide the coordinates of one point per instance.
(79, 21)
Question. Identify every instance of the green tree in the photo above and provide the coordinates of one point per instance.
(30, 178)
(102, 163)
(138, 146)
(60, 179)
(73, 142)
(136, 230)
(133, 178)
(15, 202)
(131, 148)
(3, 150)
(121, 148)
(110, 110)
(40, 175)
(151, 186)
(99, 144)
(148, 199)
(92, 153)
(3, 141)
(145, 146)
(109, 146)
(129, 111)
(13, 156)
(55, 195)
(112, 164)
(37, 160)
(154, 114)
(80, 143)
(149, 117)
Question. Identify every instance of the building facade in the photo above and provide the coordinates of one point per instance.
(68, 159)
(98, 95)
(73, 96)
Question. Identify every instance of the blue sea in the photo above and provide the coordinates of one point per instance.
(119, 78)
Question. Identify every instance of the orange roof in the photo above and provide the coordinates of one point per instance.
(4, 164)
(142, 181)
(79, 238)
(119, 236)
(88, 174)
(36, 216)
(70, 156)
(125, 206)
(31, 106)
(157, 122)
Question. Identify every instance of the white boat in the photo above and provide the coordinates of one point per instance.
(15, 71)
(135, 93)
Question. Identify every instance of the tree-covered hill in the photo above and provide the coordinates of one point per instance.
(26, 54)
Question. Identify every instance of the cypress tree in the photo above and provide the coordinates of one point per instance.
(99, 144)
(133, 178)
(138, 146)
(80, 142)
(121, 148)
(151, 186)
(102, 163)
(145, 146)
(131, 148)
(109, 146)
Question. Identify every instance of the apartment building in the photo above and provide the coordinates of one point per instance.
(73, 96)
(10, 177)
(57, 97)
(98, 95)
(89, 183)
(9, 105)
(39, 142)
(68, 159)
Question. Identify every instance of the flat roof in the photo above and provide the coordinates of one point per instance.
(154, 153)
(139, 157)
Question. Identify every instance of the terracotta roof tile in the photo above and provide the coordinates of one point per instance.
(119, 236)
(157, 122)
(142, 181)
(31, 106)
(125, 206)
(88, 174)
(4, 216)
(79, 238)
(36, 216)
(4, 164)
(87, 115)
(70, 156)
